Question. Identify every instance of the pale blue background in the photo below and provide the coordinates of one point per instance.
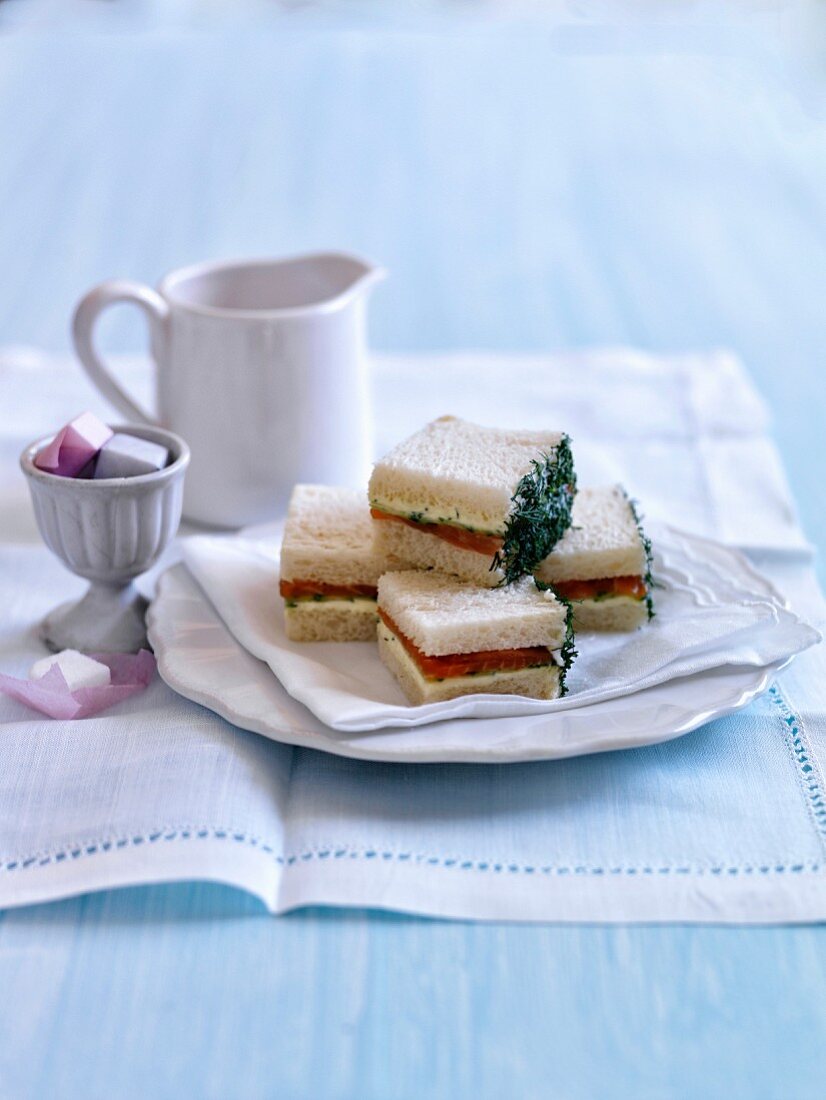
(531, 183)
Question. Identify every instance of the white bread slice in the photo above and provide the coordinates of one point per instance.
(602, 541)
(614, 613)
(328, 537)
(331, 621)
(442, 615)
(536, 683)
(419, 549)
(458, 472)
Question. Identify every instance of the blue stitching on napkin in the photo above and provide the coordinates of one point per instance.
(371, 854)
(801, 751)
(811, 784)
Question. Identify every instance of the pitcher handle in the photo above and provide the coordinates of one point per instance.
(87, 312)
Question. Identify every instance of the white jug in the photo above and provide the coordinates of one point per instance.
(260, 367)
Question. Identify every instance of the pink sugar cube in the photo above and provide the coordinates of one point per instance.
(74, 446)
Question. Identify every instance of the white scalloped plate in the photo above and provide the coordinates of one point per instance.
(200, 659)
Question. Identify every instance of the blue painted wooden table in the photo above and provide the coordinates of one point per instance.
(530, 185)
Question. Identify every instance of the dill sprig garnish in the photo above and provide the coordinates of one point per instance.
(541, 513)
(648, 577)
(568, 649)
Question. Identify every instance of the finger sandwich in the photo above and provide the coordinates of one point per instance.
(442, 637)
(602, 564)
(329, 566)
(483, 504)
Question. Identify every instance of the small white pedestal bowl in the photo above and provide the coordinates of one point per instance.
(109, 531)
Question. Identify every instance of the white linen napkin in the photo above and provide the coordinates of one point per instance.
(726, 824)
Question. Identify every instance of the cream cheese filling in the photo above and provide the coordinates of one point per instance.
(306, 606)
(611, 600)
(454, 517)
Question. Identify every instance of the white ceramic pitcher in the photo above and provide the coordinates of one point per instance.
(260, 367)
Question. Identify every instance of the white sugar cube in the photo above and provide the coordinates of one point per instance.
(79, 671)
(130, 456)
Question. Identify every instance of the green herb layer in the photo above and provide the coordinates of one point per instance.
(541, 513)
(648, 577)
(568, 650)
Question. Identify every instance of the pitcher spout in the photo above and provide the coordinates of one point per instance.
(321, 282)
(360, 275)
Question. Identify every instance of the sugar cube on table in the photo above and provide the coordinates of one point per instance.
(74, 446)
(79, 671)
(129, 456)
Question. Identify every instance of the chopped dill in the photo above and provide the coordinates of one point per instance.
(648, 577)
(541, 513)
(568, 650)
